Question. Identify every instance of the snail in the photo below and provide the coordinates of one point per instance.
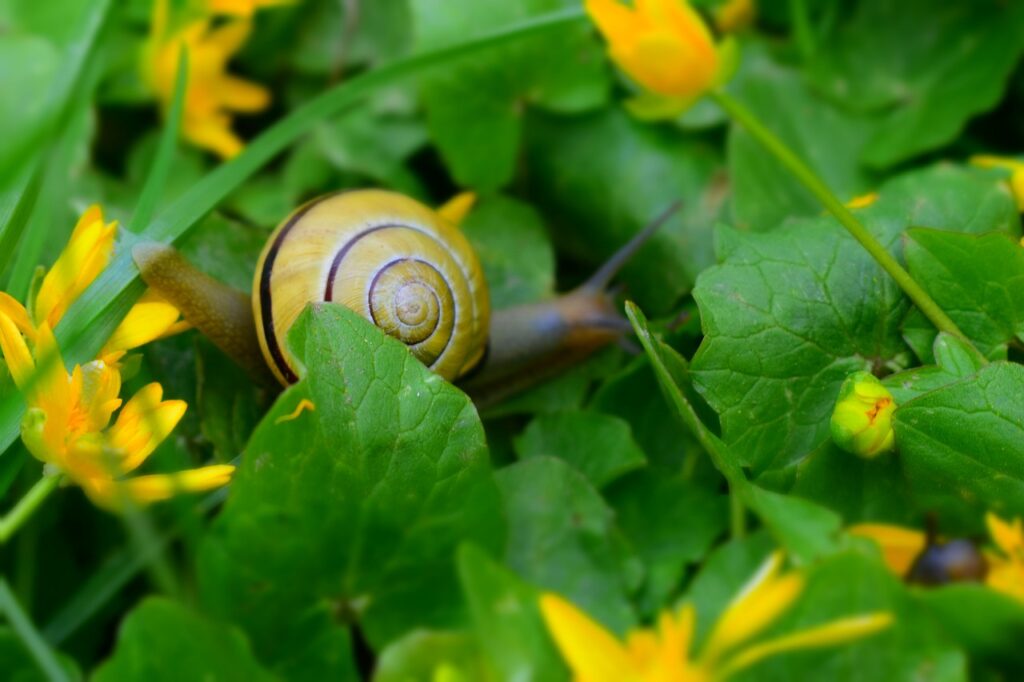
(406, 269)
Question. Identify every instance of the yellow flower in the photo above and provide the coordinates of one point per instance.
(862, 418)
(242, 8)
(1016, 177)
(67, 424)
(662, 654)
(665, 47)
(211, 95)
(1006, 567)
(87, 253)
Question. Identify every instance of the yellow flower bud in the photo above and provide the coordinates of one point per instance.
(665, 46)
(862, 418)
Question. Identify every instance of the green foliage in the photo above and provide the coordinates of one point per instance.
(161, 640)
(383, 526)
(927, 83)
(350, 512)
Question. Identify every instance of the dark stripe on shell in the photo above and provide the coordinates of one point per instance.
(266, 305)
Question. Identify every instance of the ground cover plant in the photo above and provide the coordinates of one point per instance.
(780, 436)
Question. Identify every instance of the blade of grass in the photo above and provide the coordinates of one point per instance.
(161, 167)
(116, 572)
(50, 205)
(30, 637)
(16, 206)
(65, 91)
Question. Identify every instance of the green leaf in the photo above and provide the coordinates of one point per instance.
(604, 176)
(351, 512)
(954, 360)
(563, 539)
(977, 279)
(790, 313)
(966, 441)
(420, 656)
(162, 640)
(986, 623)
(806, 530)
(513, 247)
(633, 395)
(507, 620)
(764, 193)
(598, 446)
(925, 82)
(475, 109)
(670, 522)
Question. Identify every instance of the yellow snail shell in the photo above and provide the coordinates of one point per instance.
(387, 257)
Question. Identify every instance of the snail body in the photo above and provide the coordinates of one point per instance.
(408, 270)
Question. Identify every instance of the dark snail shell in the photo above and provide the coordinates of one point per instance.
(387, 257)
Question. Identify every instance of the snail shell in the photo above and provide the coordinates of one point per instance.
(387, 257)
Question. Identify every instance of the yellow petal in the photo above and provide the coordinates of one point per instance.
(900, 546)
(10, 307)
(1009, 537)
(86, 254)
(763, 599)
(143, 424)
(457, 208)
(229, 38)
(591, 652)
(237, 94)
(16, 353)
(829, 634)
(142, 490)
(52, 391)
(101, 386)
(1006, 577)
(213, 133)
(149, 319)
(155, 487)
(619, 24)
(663, 63)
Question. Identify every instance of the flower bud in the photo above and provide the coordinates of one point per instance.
(862, 418)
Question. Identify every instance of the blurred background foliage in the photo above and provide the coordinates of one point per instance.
(322, 569)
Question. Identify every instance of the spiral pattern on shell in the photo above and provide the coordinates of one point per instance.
(387, 257)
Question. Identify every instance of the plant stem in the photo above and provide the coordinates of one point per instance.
(33, 642)
(737, 514)
(26, 507)
(807, 177)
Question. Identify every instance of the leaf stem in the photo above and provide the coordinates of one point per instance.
(807, 177)
(26, 507)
